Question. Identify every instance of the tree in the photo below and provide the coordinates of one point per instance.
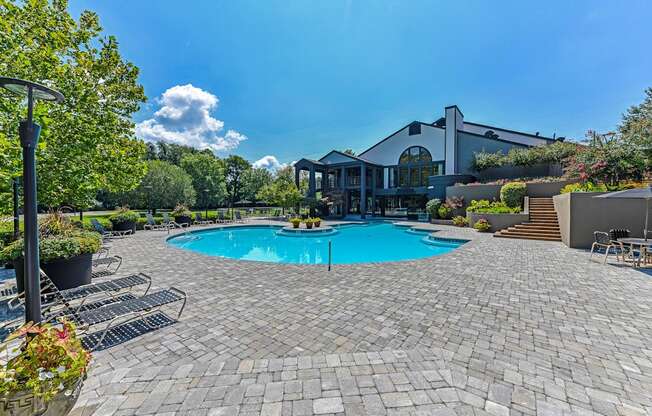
(282, 191)
(87, 142)
(235, 170)
(349, 152)
(207, 173)
(173, 153)
(636, 127)
(170, 185)
(256, 179)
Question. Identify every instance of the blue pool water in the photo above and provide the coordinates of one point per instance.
(351, 244)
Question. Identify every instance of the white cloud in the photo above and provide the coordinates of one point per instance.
(269, 162)
(185, 118)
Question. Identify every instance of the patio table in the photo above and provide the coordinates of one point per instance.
(643, 244)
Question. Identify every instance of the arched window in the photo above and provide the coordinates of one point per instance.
(415, 154)
(415, 166)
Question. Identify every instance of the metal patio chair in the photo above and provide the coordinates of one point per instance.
(603, 241)
(201, 221)
(108, 233)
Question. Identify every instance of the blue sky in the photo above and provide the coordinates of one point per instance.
(298, 78)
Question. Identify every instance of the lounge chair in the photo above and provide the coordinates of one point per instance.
(238, 217)
(152, 225)
(222, 219)
(168, 222)
(199, 220)
(106, 266)
(108, 233)
(111, 310)
(603, 241)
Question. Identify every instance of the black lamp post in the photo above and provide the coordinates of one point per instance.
(29, 132)
(16, 210)
(206, 191)
(149, 198)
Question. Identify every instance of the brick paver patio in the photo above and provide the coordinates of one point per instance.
(498, 327)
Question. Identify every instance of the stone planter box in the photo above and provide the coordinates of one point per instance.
(124, 226)
(491, 192)
(498, 221)
(546, 189)
(580, 214)
(25, 404)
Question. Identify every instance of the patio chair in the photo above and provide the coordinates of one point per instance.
(603, 241)
(152, 225)
(109, 312)
(106, 266)
(201, 221)
(221, 218)
(170, 223)
(238, 217)
(108, 233)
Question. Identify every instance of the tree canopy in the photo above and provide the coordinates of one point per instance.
(282, 191)
(87, 143)
(207, 174)
(235, 170)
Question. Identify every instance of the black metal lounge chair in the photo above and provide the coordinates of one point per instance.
(152, 225)
(238, 217)
(201, 221)
(109, 310)
(106, 266)
(106, 233)
(117, 311)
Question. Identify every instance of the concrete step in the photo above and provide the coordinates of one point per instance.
(542, 238)
(542, 227)
(516, 231)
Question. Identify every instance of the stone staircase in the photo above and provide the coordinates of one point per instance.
(543, 224)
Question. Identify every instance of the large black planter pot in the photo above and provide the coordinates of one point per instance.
(65, 273)
(124, 226)
(182, 219)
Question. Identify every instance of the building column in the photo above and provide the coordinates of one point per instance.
(343, 178)
(296, 177)
(324, 181)
(311, 182)
(374, 173)
(363, 191)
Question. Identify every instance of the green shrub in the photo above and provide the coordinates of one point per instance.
(482, 225)
(460, 221)
(181, 211)
(140, 223)
(483, 160)
(583, 187)
(123, 215)
(57, 246)
(295, 222)
(444, 211)
(483, 206)
(432, 206)
(512, 194)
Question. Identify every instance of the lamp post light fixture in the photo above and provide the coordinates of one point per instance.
(206, 191)
(29, 133)
(14, 183)
(149, 198)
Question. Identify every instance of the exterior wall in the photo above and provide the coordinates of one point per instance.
(335, 157)
(438, 185)
(506, 135)
(580, 215)
(477, 192)
(454, 122)
(468, 144)
(386, 153)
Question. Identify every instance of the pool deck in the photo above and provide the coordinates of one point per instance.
(497, 327)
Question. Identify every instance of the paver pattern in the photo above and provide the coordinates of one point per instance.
(498, 327)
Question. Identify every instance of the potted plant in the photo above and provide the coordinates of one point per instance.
(182, 214)
(308, 222)
(66, 252)
(316, 222)
(482, 225)
(460, 221)
(124, 219)
(296, 222)
(45, 371)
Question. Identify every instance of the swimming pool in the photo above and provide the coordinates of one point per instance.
(357, 243)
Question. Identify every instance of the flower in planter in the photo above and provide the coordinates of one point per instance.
(49, 360)
(181, 211)
(460, 221)
(482, 225)
(295, 222)
(316, 222)
(124, 215)
(308, 222)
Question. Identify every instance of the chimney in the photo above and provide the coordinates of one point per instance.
(454, 122)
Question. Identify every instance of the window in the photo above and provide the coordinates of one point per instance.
(415, 128)
(415, 166)
(415, 154)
